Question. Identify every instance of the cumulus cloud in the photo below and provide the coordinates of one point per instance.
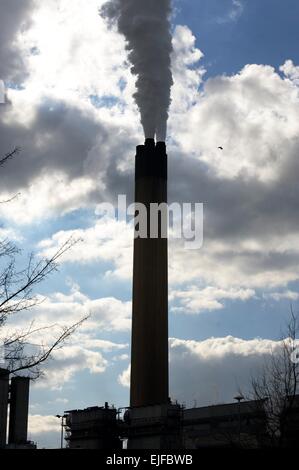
(85, 349)
(39, 424)
(108, 239)
(212, 371)
(216, 368)
(45, 430)
(67, 362)
(196, 300)
(291, 71)
(67, 116)
(286, 295)
(105, 314)
(236, 10)
(253, 115)
(124, 377)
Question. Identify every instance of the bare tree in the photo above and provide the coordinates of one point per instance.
(17, 286)
(275, 388)
(5, 159)
(9, 156)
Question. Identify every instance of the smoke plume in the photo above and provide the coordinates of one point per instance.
(146, 27)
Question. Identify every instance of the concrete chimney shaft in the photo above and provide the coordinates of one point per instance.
(149, 360)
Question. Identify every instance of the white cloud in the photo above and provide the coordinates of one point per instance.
(187, 72)
(124, 377)
(291, 71)
(67, 362)
(236, 10)
(72, 54)
(253, 115)
(65, 95)
(122, 357)
(105, 314)
(62, 401)
(286, 295)
(228, 269)
(84, 350)
(107, 240)
(46, 196)
(10, 234)
(212, 371)
(244, 264)
(39, 424)
(196, 300)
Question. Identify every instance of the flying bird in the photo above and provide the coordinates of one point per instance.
(220, 148)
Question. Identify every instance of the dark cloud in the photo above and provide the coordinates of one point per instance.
(63, 138)
(241, 207)
(15, 17)
(216, 369)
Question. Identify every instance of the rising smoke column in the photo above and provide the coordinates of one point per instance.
(146, 27)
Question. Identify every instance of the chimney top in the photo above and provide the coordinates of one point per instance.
(161, 146)
(150, 143)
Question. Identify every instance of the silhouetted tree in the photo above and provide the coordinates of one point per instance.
(17, 296)
(276, 387)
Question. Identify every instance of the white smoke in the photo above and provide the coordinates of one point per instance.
(146, 27)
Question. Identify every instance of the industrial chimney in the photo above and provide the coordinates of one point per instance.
(149, 360)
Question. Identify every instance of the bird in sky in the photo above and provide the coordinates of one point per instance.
(220, 148)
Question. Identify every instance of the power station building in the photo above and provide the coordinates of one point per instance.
(92, 428)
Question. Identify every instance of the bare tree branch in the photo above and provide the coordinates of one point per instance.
(18, 361)
(9, 156)
(17, 296)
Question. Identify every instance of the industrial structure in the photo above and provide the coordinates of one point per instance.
(149, 355)
(4, 391)
(240, 424)
(232, 425)
(151, 421)
(149, 391)
(92, 428)
(14, 394)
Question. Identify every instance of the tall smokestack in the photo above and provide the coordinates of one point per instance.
(146, 27)
(149, 362)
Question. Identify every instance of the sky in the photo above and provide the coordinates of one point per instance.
(70, 108)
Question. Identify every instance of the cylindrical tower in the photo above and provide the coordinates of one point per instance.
(149, 360)
(18, 415)
(4, 388)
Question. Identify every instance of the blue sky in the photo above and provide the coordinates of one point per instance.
(71, 111)
(262, 32)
